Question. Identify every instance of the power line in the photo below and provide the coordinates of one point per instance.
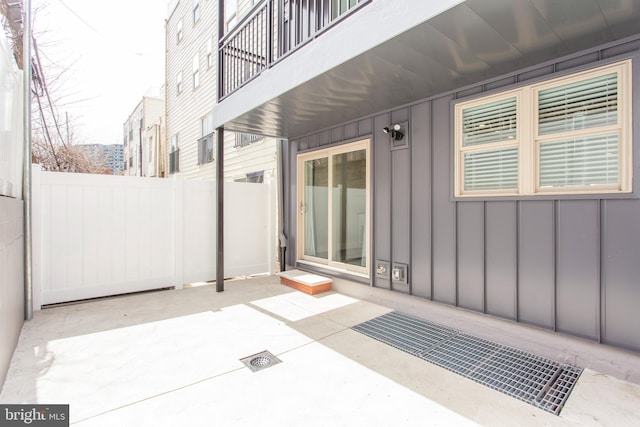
(80, 18)
(127, 48)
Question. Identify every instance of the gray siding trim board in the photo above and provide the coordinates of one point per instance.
(421, 189)
(568, 264)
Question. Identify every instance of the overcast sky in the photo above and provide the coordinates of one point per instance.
(115, 49)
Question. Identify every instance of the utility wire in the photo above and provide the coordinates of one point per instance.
(98, 32)
(80, 18)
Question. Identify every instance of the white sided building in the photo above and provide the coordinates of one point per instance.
(191, 97)
(143, 138)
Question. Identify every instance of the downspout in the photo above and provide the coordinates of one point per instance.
(282, 237)
(165, 153)
(26, 180)
(140, 148)
(156, 161)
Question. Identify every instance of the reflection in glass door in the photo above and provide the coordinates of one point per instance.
(315, 207)
(349, 207)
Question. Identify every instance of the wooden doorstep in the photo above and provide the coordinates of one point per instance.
(312, 289)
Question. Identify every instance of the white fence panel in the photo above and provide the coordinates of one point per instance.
(248, 230)
(97, 235)
(199, 231)
(100, 235)
(249, 237)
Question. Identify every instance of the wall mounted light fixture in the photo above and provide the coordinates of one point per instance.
(395, 131)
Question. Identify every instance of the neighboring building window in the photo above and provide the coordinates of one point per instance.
(569, 135)
(209, 53)
(179, 82)
(205, 143)
(196, 71)
(334, 207)
(196, 10)
(174, 155)
(230, 14)
(205, 150)
(179, 33)
(245, 139)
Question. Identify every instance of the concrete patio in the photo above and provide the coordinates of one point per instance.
(172, 358)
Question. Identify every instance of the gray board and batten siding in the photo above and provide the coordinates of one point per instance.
(569, 264)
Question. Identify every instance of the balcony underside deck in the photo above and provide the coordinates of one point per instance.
(384, 56)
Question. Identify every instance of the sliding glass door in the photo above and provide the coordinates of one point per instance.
(333, 201)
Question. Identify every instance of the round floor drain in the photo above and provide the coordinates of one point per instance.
(260, 361)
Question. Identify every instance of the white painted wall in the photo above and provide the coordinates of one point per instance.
(11, 279)
(11, 207)
(11, 123)
(99, 235)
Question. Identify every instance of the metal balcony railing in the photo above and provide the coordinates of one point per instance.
(272, 30)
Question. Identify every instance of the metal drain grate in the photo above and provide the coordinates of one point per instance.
(530, 378)
(260, 361)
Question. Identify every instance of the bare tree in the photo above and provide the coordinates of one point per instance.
(53, 147)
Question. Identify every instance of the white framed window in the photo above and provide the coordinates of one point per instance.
(174, 142)
(334, 207)
(230, 14)
(195, 5)
(568, 135)
(174, 155)
(179, 32)
(209, 53)
(205, 143)
(179, 82)
(196, 71)
(206, 124)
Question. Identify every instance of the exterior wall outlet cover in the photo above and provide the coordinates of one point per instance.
(400, 273)
(382, 269)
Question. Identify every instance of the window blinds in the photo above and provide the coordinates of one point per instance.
(487, 123)
(579, 162)
(495, 167)
(581, 105)
(492, 169)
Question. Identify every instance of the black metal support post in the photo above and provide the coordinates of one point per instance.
(220, 209)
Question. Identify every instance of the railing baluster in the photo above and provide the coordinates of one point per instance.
(263, 37)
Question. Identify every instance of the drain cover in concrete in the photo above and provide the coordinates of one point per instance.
(260, 361)
(536, 380)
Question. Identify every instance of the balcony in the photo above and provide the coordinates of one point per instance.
(270, 32)
(293, 67)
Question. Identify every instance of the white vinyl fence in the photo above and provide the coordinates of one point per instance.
(99, 235)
